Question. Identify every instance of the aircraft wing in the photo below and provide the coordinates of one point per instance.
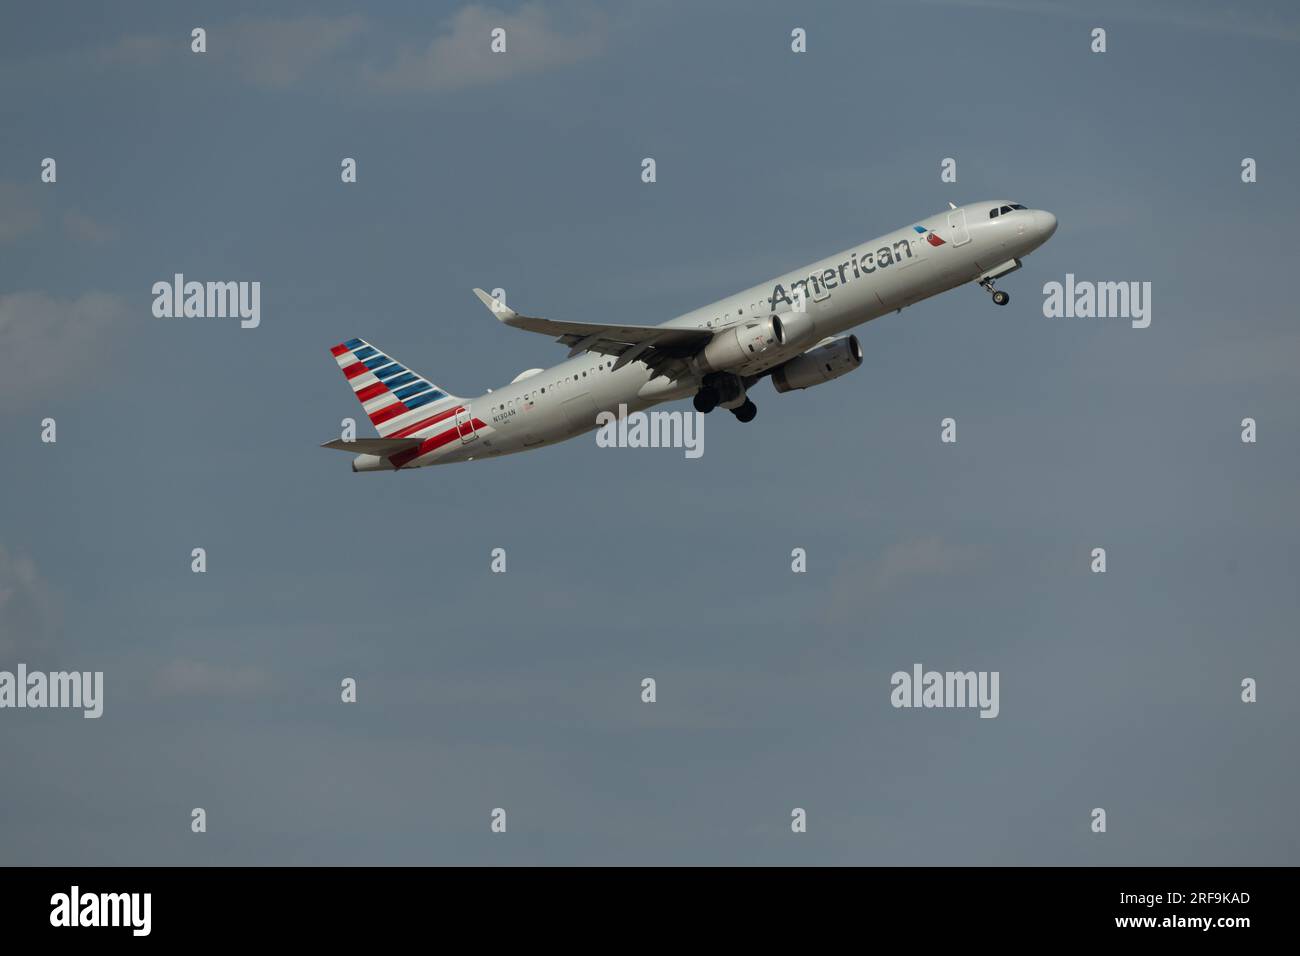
(663, 349)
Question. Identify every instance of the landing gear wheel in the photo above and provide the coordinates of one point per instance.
(706, 400)
(746, 412)
(1001, 298)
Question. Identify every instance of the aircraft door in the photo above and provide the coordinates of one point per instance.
(957, 225)
(465, 425)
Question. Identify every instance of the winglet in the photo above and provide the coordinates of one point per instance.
(951, 204)
(496, 306)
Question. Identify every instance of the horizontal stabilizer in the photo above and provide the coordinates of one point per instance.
(383, 447)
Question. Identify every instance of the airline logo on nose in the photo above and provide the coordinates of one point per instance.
(930, 237)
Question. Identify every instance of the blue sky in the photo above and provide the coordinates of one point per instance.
(522, 690)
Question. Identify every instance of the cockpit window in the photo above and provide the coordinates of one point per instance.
(993, 213)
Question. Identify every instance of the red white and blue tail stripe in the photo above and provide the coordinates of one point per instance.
(398, 401)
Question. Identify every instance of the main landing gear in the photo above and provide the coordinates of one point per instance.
(726, 391)
(999, 297)
(706, 400)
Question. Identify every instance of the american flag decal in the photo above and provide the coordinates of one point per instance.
(930, 237)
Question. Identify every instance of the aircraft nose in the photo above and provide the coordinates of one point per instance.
(1044, 224)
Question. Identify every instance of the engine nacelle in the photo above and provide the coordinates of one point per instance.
(734, 347)
(796, 327)
(818, 365)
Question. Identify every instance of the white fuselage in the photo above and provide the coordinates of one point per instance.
(845, 290)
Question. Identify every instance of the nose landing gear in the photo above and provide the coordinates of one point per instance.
(999, 297)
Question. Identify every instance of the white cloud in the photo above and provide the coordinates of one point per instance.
(462, 56)
(27, 614)
(280, 53)
(900, 564)
(284, 53)
(141, 50)
(19, 213)
(920, 557)
(190, 678)
(860, 586)
(275, 53)
(52, 340)
(1211, 17)
(85, 229)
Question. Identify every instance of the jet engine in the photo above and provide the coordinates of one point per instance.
(743, 343)
(796, 327)
(819, 365)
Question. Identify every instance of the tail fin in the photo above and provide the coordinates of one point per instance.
(393, 396)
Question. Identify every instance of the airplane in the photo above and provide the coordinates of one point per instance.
(788, 328)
